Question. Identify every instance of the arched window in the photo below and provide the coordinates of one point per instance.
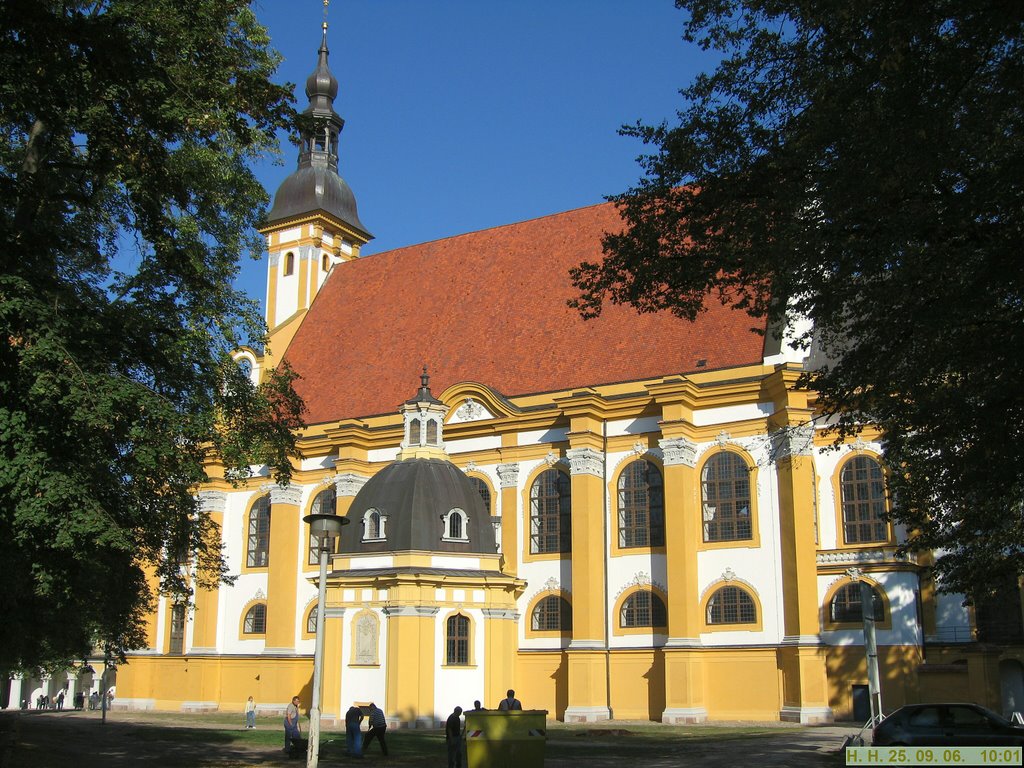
(289, 263)
(483, 490)
(311, 621)
(414, 432)
(431, 432)
(177, 644)
(457, 640)
(324, 504)
(731, 605)
(245, 366)
(725, 497)
(325, 262)
(846, 605)
(255, 620)
(258, 549)
(641, 506)
(550, 509)
(643, 608)
(455, 525)
(862, 488)
(373, 525)
(552, 613)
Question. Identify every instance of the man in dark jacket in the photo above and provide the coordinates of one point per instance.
(378, 727)
(453, 737)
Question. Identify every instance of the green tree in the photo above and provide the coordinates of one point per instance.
(127, 129)
(860, 165)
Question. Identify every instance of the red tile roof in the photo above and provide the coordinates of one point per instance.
(490, 307)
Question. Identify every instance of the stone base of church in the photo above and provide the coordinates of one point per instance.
(587, 714)
(684, 715)
(806, 715)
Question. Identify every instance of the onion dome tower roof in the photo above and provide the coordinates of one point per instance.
(316, 185)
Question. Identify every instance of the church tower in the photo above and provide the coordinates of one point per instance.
(313, 223)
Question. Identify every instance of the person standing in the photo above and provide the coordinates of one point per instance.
(60, 700)
(453, 738)
(291, 723)
(378, 727)
(510, 702)
(250, 713)
(353, 735)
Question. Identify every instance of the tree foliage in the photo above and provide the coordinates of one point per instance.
(860, 165)
(127, 128)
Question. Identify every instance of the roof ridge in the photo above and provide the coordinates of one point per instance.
(487, 229)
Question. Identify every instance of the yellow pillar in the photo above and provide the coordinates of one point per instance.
(204, 620)
(410, 659)
(802, 655)
(587, 655)
(283, 566)
(333, 707)
(500, 652)
(684, 662)
(508, 476)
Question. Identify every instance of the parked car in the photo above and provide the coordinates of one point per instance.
(937, 725)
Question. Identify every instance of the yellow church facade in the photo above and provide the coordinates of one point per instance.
(631, 517)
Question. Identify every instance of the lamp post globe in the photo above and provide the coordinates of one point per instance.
(325, 528)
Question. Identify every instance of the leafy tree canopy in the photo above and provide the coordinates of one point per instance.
(860, 165)
(127, 128)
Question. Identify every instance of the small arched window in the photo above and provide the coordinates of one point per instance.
(455, 525)
(552, 613)
(325, 262)
(731, 605)
(483, 490)
(862, 487)
(457, 640)
(255, 620)
(641, 502)
(725, 497)
(325, 503)
(414, 432)
(373, 525)
(550, 513)
(289, 263)
(431, 432)
(846, 606)
(311, 621)
(643, 608)
(258, 549)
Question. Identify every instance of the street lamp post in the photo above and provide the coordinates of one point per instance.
(325, 528)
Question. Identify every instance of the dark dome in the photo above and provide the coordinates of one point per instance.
(414, 495)
(312, 188)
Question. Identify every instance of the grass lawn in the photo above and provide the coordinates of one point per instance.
(171, 740)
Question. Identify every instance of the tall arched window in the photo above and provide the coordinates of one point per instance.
(457, 640)
(641, 500)
(550, 510)
(431, 432)
(643, 608)
(311, 621)
(255, 620)
(177, 644)
(552, 613)
(258, 549)
(725, 497)
(325, 503)
(731, 605)
(325, 262)
(414, 432)
(483, 490)
(862, 487)
(289, 263)
(846, 605)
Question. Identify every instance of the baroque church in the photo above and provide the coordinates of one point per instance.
(630, 517)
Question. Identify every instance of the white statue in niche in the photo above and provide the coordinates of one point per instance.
(366, 640)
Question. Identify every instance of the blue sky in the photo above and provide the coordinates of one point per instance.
(467, 114)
